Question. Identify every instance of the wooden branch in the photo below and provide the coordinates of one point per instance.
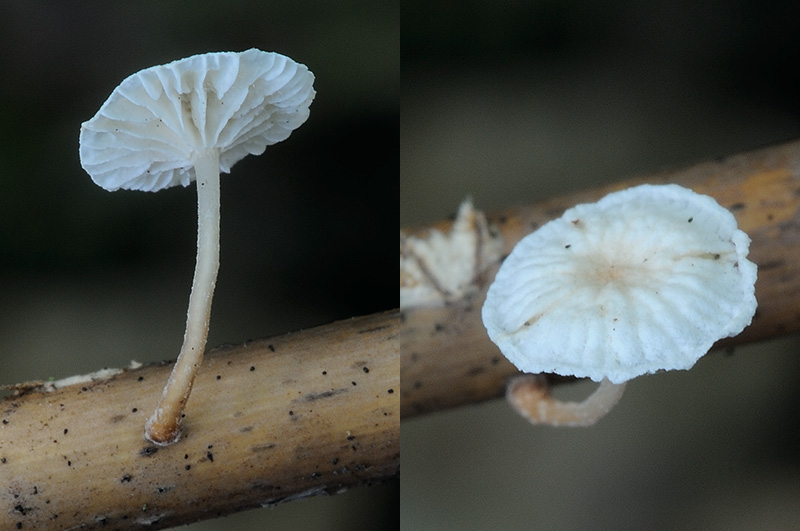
(307, 413)
(447, 360)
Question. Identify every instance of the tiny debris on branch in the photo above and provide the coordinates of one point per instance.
(51, 385)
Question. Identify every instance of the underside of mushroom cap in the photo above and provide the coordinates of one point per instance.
(145, 136)
(646, 279)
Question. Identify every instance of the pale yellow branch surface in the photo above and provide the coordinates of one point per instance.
(447, 359)
(308, 413)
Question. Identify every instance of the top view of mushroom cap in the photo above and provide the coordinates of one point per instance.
(147, 133)
(646, 279)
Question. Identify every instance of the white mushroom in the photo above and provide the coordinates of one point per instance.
(646, 279)
(187, 121)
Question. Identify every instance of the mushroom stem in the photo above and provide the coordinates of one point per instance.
(530, 396)
(164, 425)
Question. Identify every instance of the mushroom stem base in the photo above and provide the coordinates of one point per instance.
(530, 396)
(164, 426)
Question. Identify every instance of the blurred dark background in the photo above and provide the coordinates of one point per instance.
(513, 102)
(90, 278)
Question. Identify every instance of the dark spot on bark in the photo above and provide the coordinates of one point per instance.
(66, 430)
(291, 412)
(219, 377)
(147, 451)
(567, 246)
(690, 220)
(187, 467)
(475, 371)
(353, 383)
(765, 266)
(737, 206)
(140, 378)
(262, 447)
(134, 410)
(311, 397)
(252, 368)
(210, 456)
(390, 391)
(117, 418)
(376, 329)
(126, 478)
(271, 348)
(3, 460)
(324, 373)
(438, 327)
(366, 369)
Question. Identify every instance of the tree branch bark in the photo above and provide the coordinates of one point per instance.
(447, 359)
(304, 414)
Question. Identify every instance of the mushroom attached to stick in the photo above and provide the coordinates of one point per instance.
(645, 280)
(187, 121)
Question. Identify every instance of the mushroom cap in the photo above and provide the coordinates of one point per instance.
(646, 279)
(146, 135)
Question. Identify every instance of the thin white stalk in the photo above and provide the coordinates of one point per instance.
(530, 396)
(164, 426)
